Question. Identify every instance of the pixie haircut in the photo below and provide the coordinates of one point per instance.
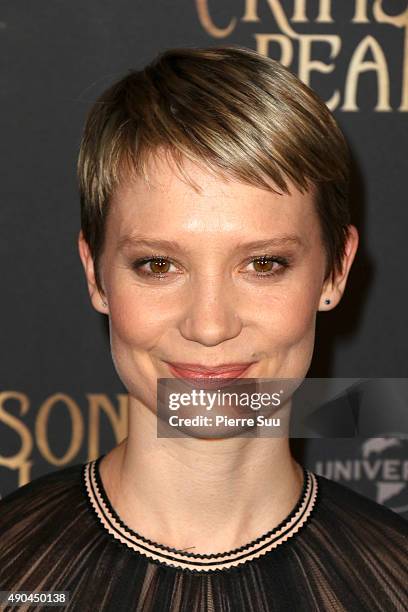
(238, 113)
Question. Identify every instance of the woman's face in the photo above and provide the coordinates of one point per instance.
(206, 296)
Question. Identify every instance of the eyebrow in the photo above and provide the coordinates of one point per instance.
(172, 245)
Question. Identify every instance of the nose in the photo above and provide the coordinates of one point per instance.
(210, 315)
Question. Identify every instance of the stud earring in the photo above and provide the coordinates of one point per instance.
(327, 301)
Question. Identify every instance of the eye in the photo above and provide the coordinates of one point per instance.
(157, 267)
(269, 265)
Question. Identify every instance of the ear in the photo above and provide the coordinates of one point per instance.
(97, 298)
(333, 289)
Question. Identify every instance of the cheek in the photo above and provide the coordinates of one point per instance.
(288, 330)
(137, 318)
(287, 318)
(136, 326)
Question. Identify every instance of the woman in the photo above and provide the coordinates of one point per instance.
(215, 225)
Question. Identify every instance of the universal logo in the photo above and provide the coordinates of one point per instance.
(380, 471)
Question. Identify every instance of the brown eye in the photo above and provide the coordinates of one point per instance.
(263, 265)
(269, 266)
(159, 266)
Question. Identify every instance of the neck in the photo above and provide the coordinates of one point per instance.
(205, 496)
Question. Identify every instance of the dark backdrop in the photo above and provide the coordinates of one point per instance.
(61, 401)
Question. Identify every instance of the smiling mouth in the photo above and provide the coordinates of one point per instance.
(209, 377)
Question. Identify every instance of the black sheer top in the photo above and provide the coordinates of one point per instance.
(335, 551)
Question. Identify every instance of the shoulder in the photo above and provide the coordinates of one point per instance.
(41, 491)
(40, 508)
(44, 528)
(350, 511)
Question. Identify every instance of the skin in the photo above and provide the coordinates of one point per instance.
(207, 495)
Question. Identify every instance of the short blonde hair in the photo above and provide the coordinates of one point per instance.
(229, 108)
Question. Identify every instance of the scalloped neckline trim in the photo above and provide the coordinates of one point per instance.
(171, 557)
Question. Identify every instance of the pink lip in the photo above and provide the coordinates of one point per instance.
(209, 376)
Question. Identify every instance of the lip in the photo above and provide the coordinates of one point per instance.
(209, 377)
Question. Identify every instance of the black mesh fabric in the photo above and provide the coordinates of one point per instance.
(349, 554)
